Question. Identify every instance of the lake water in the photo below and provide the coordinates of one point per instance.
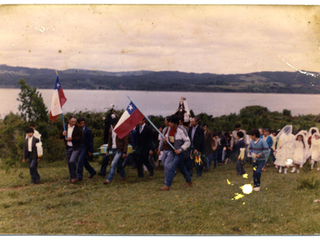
(166, 103)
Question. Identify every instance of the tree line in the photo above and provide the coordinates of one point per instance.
(33, 109)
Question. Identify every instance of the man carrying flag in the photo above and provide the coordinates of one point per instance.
(58, 100)
(72, 134)
(129, 120)
(181, 143)
(144, 147)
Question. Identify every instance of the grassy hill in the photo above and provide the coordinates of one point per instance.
(263, 82)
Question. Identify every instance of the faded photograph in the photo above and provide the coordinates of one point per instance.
(159, 119)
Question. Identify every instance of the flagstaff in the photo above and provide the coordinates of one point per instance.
(64, 127)
(152, 124)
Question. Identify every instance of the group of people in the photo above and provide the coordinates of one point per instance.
(78, 140)
(180, 148)
(293, 150)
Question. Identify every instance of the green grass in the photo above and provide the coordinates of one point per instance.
(137, 206)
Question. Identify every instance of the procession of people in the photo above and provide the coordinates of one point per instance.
(182, 146)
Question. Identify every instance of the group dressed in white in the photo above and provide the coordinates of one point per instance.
(294, 150)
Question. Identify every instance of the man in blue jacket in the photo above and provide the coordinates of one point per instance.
(85, 151)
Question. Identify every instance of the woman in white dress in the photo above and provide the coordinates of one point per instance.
(315, 149)
(283, 152)
(299, 151)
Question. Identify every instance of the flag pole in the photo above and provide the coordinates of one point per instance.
(64, 126)
(152, 125)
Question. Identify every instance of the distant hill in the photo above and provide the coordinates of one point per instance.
(259, 82)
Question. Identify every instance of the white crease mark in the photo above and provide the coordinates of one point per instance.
(303, 72)
(42, 29)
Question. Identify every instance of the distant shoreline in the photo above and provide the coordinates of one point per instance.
(68, 89)
(164, 81)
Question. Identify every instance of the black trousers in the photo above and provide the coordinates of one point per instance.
(240, 167)
(141, 158)
(33, 164)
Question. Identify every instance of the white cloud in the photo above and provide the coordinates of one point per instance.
(217, 39)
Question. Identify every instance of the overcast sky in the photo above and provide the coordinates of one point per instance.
(214, 39)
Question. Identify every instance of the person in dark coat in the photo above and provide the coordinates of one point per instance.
(144, 148)
(240, 162)
(227, 149)
(107, 123)
(73, 139)
(86, 151)
(222, 144)
(30, 151)
(196, 135)
(208, 145)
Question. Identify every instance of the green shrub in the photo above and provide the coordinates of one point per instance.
(308, 183)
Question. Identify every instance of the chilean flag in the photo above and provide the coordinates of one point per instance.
(58, 100)
(129, 119)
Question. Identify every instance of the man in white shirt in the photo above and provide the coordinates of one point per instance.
(36, 134)
(73, 139)
(30, 151)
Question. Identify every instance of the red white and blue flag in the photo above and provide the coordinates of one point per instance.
(129, 119)
(58, 100)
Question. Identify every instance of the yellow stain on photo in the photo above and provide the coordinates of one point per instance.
(246, 189)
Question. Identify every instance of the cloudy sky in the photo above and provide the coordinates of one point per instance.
(189, 38)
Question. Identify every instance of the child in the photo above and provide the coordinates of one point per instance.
(266, 136)
(30, 151)
(258, 149)
(241, 146)
(299, 147)
(315, 149)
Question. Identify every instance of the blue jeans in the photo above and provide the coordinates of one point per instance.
(257, 167)
(72, 158)
(209, 159)
(83, 162)
(116, 163)
(167, 159)
(177, 162)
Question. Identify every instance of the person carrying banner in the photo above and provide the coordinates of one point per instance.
(181, 143)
